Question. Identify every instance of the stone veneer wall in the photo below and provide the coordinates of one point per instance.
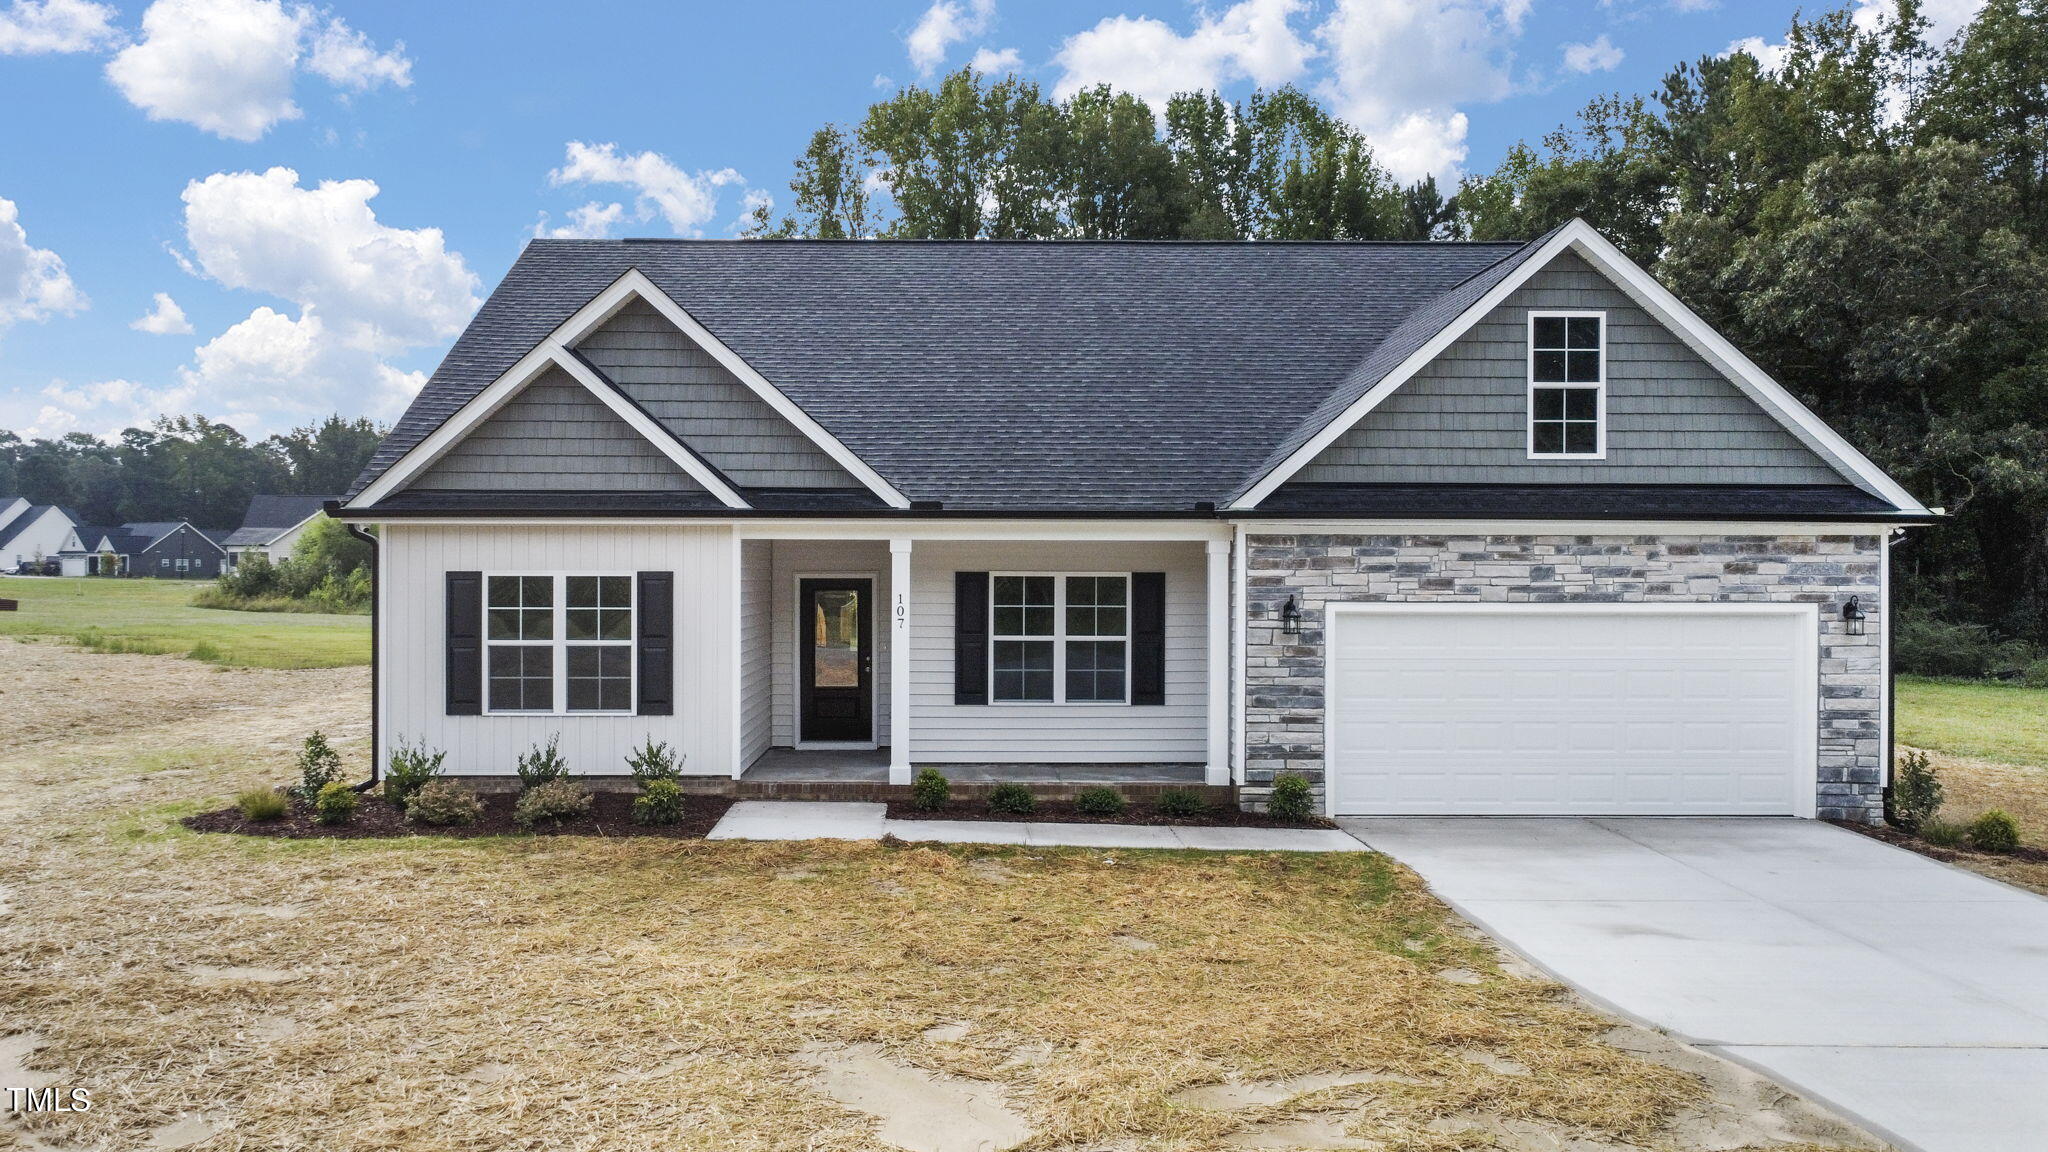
(1284, 674)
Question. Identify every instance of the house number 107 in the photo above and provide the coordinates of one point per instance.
(902, 612)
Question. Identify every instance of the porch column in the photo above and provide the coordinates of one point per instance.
(1218, 641)
(899, 661)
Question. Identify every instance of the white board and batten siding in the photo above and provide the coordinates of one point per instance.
(943, 732)
(757, 617)
(417, 559)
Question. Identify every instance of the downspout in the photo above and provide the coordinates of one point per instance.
(376, 606)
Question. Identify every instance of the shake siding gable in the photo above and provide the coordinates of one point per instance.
(705, 405)
(1672, 417)
(555, 436)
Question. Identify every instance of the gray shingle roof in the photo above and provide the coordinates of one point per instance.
(269, 517)
(1006, 376)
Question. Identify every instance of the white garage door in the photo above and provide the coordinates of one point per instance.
(1572, 710)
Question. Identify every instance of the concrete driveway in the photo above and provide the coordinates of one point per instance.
(1904, 993)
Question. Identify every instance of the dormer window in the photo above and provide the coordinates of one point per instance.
(1567, 385)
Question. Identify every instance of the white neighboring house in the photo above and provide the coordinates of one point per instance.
(33, 532)
(273, 525)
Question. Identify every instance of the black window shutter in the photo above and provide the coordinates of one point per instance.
(465, 639)
(1148, 637)
(657, 640)
(970, 637)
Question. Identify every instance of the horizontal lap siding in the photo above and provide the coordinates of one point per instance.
(757, 607)
(705, 405)
(1672, 418)
(417, 559)
(555, 436)
(944, 732)
(795, 558)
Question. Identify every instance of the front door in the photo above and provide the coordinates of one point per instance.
(835, 695)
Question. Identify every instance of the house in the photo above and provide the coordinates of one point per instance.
(32, 533)
(272, 526)
(86, 547)
(1456, 528)
(169, 549)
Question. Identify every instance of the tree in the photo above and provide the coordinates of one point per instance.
(325, 458)
(1120, 177)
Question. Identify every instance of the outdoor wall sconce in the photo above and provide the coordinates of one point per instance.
(1290, 618)
(1852, 615)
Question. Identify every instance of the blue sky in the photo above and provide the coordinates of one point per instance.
(323, 194)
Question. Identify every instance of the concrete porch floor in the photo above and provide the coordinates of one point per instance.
(871, 766)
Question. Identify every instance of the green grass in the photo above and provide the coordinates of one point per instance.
(1981, 719)
(157, 617)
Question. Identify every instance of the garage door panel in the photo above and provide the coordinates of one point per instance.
(1569, 713)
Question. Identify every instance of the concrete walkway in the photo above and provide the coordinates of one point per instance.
(819, 820)
(1907, 994)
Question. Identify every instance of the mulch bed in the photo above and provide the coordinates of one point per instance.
(611, 814)
(1064, 812)
(2026, 853)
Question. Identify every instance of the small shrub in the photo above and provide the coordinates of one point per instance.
(538, 765)
(1014, 799)
(650, 761)
(2035, 675)
(335, 803)
(553, 801)
(262, 804)
(319, 766)
(1291, 798)
(1916, 792)
(412, 766)
(1995, 831)
(443, 802)
(206, 652)
(659, 802)
(931, 790)
(1944, 833)
(1181, 803)
(1101, 801)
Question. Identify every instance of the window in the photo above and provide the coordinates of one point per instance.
(559, 643)
(182, 562)
(1567, 384)
(1059, 639)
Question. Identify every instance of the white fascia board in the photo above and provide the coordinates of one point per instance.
(644, 424)
(638, 283)
(1643, 288)
(1466, 529)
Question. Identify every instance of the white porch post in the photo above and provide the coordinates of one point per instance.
(1218, 640)
(899, 661)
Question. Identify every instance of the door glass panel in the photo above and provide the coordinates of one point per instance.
(835, 638)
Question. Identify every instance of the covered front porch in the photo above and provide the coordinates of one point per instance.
(1056, 655)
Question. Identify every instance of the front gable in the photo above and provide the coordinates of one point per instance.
(555, 436)
(1671, 417)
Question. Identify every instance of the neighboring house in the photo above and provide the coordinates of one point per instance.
(1444, 528)
(172, 550)
(34, 533)
(272, 526)
(86, 549)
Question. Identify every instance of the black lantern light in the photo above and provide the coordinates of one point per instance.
(1290, 618)
(1852, 615)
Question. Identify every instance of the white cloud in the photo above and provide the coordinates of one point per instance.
(1253, 40)
(365, 292)
(227, 66)
(33, 282)
(1401, 69)
(593, 221)
(29, 27)
(685, 200)
(101, 408)
(165, 318)
(943, 25)
(1770, 57)
(997, 63)
(345, 58)
(1598, 56)
(1944, 17)
(1689, 5)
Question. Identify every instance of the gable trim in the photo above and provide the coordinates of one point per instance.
(1640, 286)
(551, 353)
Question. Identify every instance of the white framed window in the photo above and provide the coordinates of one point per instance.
(182, 563)
(1059, 638)
(557, 643)
(1567, 385)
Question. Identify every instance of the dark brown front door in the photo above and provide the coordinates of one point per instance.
(836, 695)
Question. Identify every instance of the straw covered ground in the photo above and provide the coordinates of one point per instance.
(218, 991)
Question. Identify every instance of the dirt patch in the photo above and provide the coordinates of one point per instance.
(611, 814)
(1064, 812)
(918, 1111)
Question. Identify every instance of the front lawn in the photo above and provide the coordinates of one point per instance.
(586, 992)
(156, 616)
(1981, 719)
